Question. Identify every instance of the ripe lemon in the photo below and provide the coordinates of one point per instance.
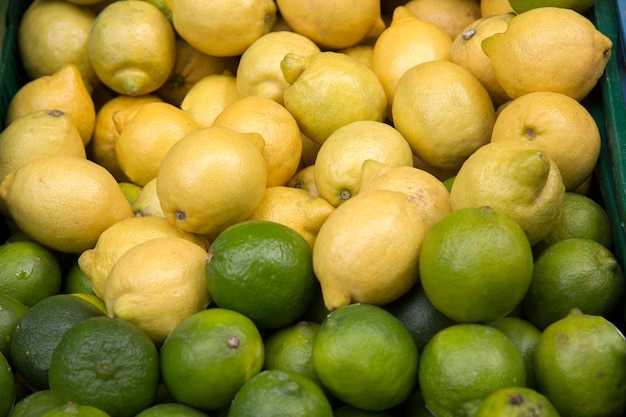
(354, 257)
(463, 364)
(279, 129)
(444, 112)
(219, 350)
(531, 54)
(36, 135)
(467, 51)
(148, 136)
(319, 21)
(225, 27)
(295, 208)
(208, 97)
(259, 73)
(451, 15)
(132, 47)
(406, 42)
(361, 52)
(53, 33)
(514, 402)
(192, 200)
(68, 185)
(305, 180)
(513, 178)
(98, 261)
(63, 90)
(494, 7)
(340, 158)
(328, 90)
(148, 204)
(108, 125)
(156, 284)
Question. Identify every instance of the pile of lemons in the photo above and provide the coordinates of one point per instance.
(307, 208)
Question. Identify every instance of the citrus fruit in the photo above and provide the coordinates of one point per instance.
(513, 178)
(330, 83)
(7, 387)
(475, 265)
(148, 204)
(582, 356)
(73, 409)
(263, 270)
(441, 93)
(516, 402)
(76, 281)
(35, 404)
(30, 272)
(206, 99)
(573, 273)
(354, 258)
(531, 54)
(11, 311)
(305, 180)
(339, 161)
(40, 330)
(275, 393)
(132, 47)
(192, 200)
(451, 15)
(105, 363)
(156, 284)
(376, 378)
(171, 410)
(581, 6)
(209, 356)
(495, 7)
(463, 364)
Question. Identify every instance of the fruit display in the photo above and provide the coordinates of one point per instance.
(311, 208)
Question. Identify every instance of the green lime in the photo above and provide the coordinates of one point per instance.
(580, 365)
(463, 364)
(419, 315)
(263, 270)
(317, 311)
(580, 6)
(366, 357)
(475, 265)
(350, 411)
(524, 336)
(35, 404)
(516, 402)
(277, 393)
(41, 329)
(11, 311)
(30, 272)
(7, 387)
(448, 183)
(571, 273)
(106, 363)
(77, 410)
(76, 281)
(208, 357)
(171, 410)
(131, 191)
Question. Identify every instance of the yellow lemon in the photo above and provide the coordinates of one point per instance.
(147, 203)
(36, 135)
(147, 136)
(209, 96)
(514, 178)
(53, 33)
(494, 7)
(367, 250)
(361, 52)
(467, 52)
(444, 112)
(192, 199)
(225, 27)
(64, 202)
(64, 90)
(557, 124)
(108, 126)
(305, 180)
(293, 207)
(328, 90)
(157, 284)
(341, 156)
(259, 72)
(533, 52)
(191, 66)
(451, 15)
(132, 47)
(407, 41)
(318, 21)
(423, 189)
(280, 131)
(97, 262)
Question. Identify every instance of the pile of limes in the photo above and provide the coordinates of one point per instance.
(307, 208)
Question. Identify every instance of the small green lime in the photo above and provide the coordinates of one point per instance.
(171, 410)
(76, 281)
(581, 6)
(208, 357)
(7, 387)
(263, 270)
(35, 404)
(131, 191)
(11, 311)
(106, 363)
(76, 410)
(516, 402)
(448, 183)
